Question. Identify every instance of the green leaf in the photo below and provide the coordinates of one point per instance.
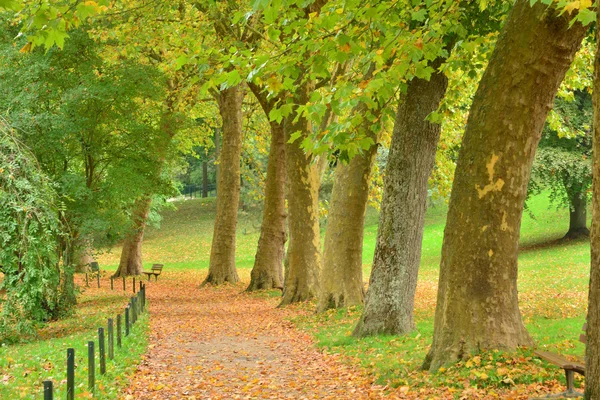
(294, 136)
(586, 16)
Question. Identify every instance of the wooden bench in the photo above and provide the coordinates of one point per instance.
(156, 271)
(570, 367)
(94, 269)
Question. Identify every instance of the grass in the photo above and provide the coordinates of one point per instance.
(23, 367)
(553, 277)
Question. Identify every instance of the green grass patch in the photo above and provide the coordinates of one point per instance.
(23, 367)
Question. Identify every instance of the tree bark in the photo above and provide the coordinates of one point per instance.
(592, 348)
(341, 278)
(303, 260)
(578, 217)
(222, 254)
(267, 272)
(477, 304)
(131, 254)
(390, 298)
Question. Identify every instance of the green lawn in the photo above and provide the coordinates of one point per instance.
(24, 366)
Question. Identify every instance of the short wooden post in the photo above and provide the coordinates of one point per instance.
(48, 392)
(91, 367)
(111, 283)
(134, 284)
(127, 320)
(141, 284)
(133, 312)
(71, 374)
(119, 330)
(124, 284)
(111, 340)
(101, 351)
(86, 280)
(98, 278)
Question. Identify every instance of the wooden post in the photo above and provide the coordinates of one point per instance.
(98, 278)
(124, 284)
(48, 392)
(141, 284)
(127, 320)
(134, 284)
(111, 283)
(86, 280)
(91, 367)
(71, 374)
(111, 340)
(133, 313)
(119, 330)
(101, 351)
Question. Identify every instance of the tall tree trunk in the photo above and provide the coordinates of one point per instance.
(303, 259)
(477, 305)
(267, 272)
(131, 254)
(578, 217)
(217, 159)
(341, 278)
(222, 254)
(592, 348)
(204, 179)
(390, 298)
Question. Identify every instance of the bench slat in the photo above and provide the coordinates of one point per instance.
(561, 361)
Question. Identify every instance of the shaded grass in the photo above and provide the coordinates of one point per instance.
(23, 367)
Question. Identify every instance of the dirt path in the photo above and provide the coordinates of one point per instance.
(215, 343)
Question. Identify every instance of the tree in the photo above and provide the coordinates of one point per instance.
(477, 305)
(222, 253)
(34, 280)
(592, 348)
(268, 263)
(390, 299)
(563, 164)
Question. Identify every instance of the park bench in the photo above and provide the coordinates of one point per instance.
(570, 367)
(94, 269)
(156, 271)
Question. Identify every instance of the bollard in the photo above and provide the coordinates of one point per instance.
(111, 340)
(119, 330)
(71, 374)
(141, 284)
(124, 284)
(86, 280)
(134, 284)
(101, 351)
(127, 320)
(48, 392)
(98, 279)
(134, 308)
(91, 367)
(111, 283)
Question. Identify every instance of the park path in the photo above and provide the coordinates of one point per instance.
(217, 343)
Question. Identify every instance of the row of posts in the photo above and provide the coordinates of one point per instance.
(137, 305)
(112, 282)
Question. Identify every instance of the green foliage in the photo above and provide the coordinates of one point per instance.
(563, 164)
(30, 231)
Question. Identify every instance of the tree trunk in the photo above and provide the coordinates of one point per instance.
(218, 159)
(341, 278)
(222, 254)
(131, 254)
(84, 255)
(477, 304)
(390, 298)
(578, 217)
(304, 257)
(592, 348)
(204, 179)
(267, 272)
